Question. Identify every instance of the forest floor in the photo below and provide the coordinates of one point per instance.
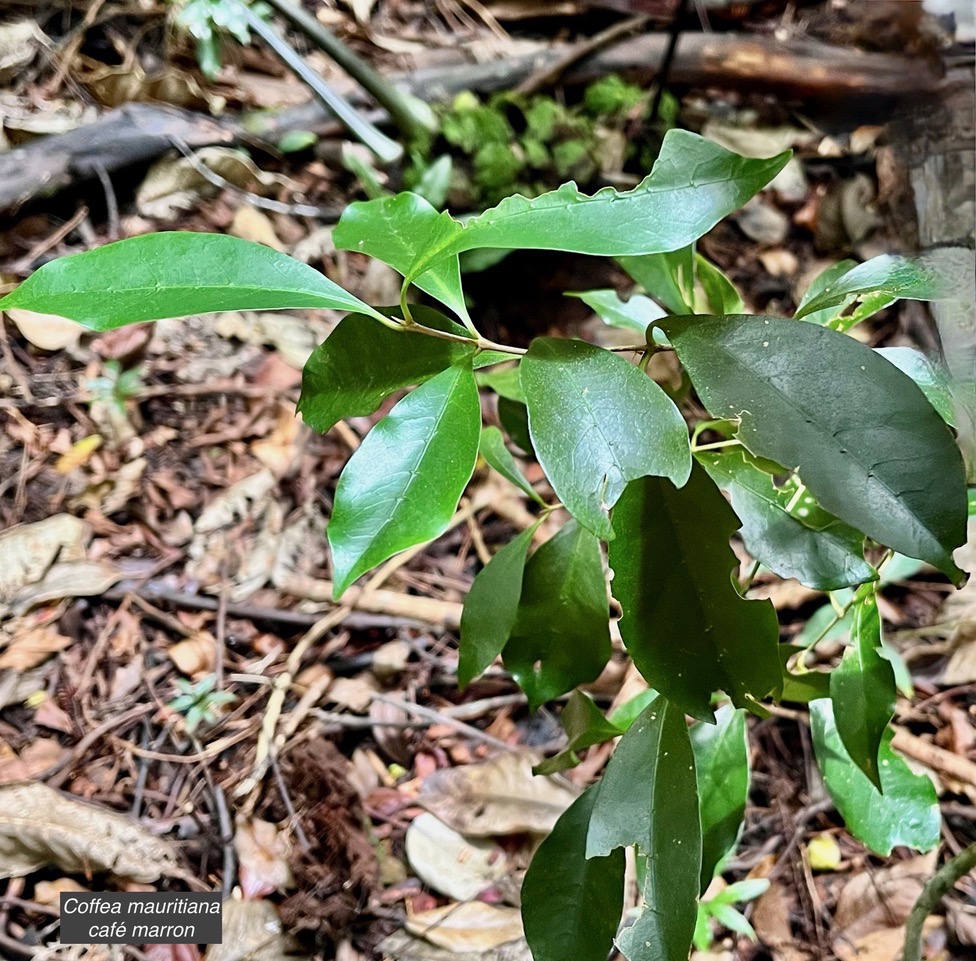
(163, 511)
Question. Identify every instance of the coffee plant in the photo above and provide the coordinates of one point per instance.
(834, 462)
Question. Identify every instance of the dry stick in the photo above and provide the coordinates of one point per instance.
(953, 766)
(938, 886)
(440, 718)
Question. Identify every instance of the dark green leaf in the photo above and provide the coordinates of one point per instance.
(636, 313)
(569, 899)
(722, 768)
(871, 449)
(394, 230)
(504, 382)
(930, 375)
(562, 635)
(803, 541)
(514, 417)
(361, 363)
(648, 797)
(818, 285)
(668, 277)
(403, 484)
(694, 184)
(497, 455)
(803, 686)
(491, 607)
(173, 274)
(585, 725)
(684, 623)
(596, 423)
(862, 687)
(944, 273)
(906, 813)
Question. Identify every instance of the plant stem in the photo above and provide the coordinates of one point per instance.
(386, 150)
(734, 442)
(411, 115)
(937, 887)
(481, 342)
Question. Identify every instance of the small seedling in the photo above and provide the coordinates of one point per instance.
(198, 702)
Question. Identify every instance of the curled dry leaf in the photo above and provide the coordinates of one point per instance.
(194, 655)
(468, 926)
(401, 946)
(46, 331)
(501, 796)
(29, 646)
(262, 851)
(40, 826)
(252, 931)
(450, 863)
(28, 550)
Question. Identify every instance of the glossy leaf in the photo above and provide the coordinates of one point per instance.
(403, 484)
(503, 381)
(561, 637)
(722, 768)
(361, 363)
(907, 813)
(862, 687)
(871, 449)
(684, 623)
(944, 273)
(824, 280)
(693, 185)
(173, 274)
(393, 229)
(718, 291)
(669, 277)
(491, 607)
(802, 686)
(792, 536)
(648, 798)
(636, 313)
(569, 899)
(597, 422)
(514, 417)
(499, 457)
(585, 725)
(930, 375)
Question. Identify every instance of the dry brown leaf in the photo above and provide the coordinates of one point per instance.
(501, 796)
(49, 892)
(883, 945)
(279, 450)
(293, 337)
(71, 579)
(401, 946)
(249, 223)
(46, 331)
(126, 483)
(40, 754)
(354, 693)
(874, 900)
(252, 931)
(28, 550)
(245, 499)
(262, 851)
(468, 926)
(16, 687)
(29, 647)
(40, 826)
(450, 863)
(195, 655)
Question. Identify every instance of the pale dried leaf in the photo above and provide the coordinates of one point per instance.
(40, 827)
(293, 337)
(450, 863)
(262, 851)
(390, 659)
(28, 648)
(46, 331)
(401, 946)
(249, 223)
(28, 550)
(18, 44)
(71, 579)
(501, 796)
(252, 932)
(126, 484)
(49, 892)
(279, 449)
(194, 655)
(353, 693)
(245, 499)
(468, 926)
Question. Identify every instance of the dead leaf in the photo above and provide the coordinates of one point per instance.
(501, 796)
(40, 754)
(249, 223)
(262, 851)
(401, 946)
(40, 826)
(28, 550)
(46, 331)
(18, 45)
(126, 484)
(354, 693)
(27, 646)
(470, 925)
(78, 454)
(195, 655)
(171, 952)
(450, 863)
(883, 945)
(293, 337)
(252, 931)
(17, 687)
(49, 892)
(245, 499)
(279, 450)
(72, 579)
(390, 659)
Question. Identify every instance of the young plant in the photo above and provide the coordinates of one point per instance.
(827, 450)
(198, 702)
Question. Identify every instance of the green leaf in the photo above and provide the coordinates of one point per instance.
(862, 687)
(394, 229)
(720, 294)
(504, 382)
(562, 635)
(871, 449)
(403, 484)
(596, 423)
(497, 455)
(907, 813)
(636, 313)
(569, 899)
(694, 184)
(803, 686)
(944, 273)
(668, 277)
(792, 536)
(628, 712)
(172, 274)
(684, 623)
(491, 607)
(722, 767)
(361, 363)
(514, 417)
(826, 279)
(648, 797)
(930, 375)
(585, 726)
